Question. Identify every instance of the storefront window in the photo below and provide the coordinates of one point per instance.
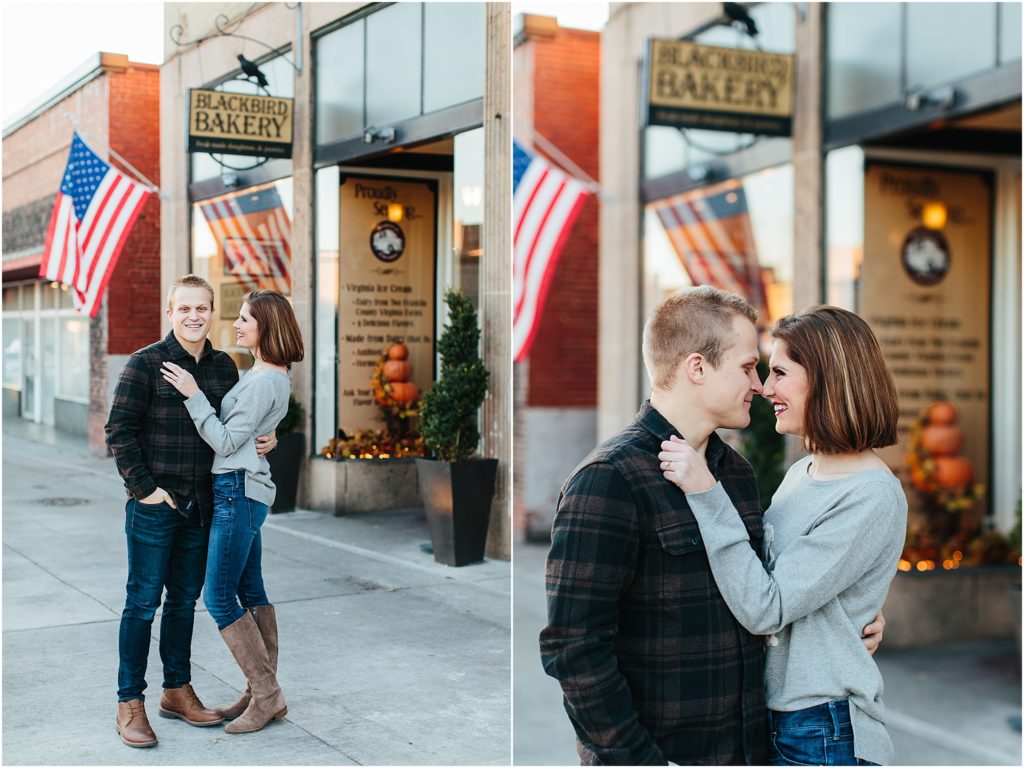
(453, 40)
(1009, 32)
(966, 31)
(12, 298)
(339, 84)
(864, 56)
(844, 226)
(400, 62)
(280, 82)
(736, 235)
(469, 209)
(878, 51)
(325, 389)
(242, 241)
(394, 54)
(12, 351)
(74, 358)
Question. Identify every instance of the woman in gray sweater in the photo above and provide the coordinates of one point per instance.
(833, 536)
(242, 495)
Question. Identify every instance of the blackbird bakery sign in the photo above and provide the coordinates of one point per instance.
(239, 123)
(719, 89)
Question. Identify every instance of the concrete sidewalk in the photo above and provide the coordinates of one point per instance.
(947, 705)
(387, 658)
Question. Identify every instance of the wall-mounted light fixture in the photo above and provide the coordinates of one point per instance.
(944, 98)
(396, 212)
(934, 215)
(386, 135)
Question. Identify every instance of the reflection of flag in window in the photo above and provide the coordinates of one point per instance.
(710, 231)
(545, 203)
(254, 235)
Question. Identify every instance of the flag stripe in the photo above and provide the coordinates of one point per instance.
(545, 204)
(95, 292)
(524, 332)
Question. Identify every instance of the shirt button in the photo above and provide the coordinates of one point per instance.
(773, 641)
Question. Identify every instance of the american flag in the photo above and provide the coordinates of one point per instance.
(95, 210)
(545, 203)
(711, 234)
(254, 235)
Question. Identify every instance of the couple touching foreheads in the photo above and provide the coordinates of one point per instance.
(683, 625)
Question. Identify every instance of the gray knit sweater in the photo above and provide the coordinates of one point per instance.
(254, 406)
(831, 547)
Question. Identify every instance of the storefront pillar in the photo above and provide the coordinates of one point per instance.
(495, 288)
(303, 246)
(620, 261)
(808, 164)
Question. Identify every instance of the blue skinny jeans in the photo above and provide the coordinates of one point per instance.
(820, 735)
(234, 571)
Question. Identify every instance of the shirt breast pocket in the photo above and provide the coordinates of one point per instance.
(169, 403)
(685, 578)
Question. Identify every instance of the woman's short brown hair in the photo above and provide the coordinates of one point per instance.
(280, 339)
(690, 320)
(851, 396)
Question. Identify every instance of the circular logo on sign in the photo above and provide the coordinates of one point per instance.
(926, 256)
(387, 241)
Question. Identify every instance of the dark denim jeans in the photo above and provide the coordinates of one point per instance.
(820, 735)
(234, 570)
(163, 552)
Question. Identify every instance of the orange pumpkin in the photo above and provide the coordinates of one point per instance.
(918, 479)
(942, 439)
(404, 391)
(398, 352)
(397, 370)
(953, 472)
(942, 413)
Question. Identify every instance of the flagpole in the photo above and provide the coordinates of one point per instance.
(85, 134)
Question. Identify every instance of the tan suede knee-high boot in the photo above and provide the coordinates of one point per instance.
(267, 702)
(266, 620)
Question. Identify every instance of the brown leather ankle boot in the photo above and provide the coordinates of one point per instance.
(183, 704)
(246, 644)
(133, 725)
(266, 621)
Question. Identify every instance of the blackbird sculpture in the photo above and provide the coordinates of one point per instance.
(738, 15)
(252, 71)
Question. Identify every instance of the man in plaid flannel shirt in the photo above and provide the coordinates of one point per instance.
(653, 666)
(166, 468)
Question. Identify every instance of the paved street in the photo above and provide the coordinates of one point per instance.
(386, 656)
(947, 705)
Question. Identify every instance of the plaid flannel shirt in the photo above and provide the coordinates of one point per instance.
(154, 442)
(653, 665)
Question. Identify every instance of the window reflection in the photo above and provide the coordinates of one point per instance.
(469, 209)
(243, 241)
(736, 236)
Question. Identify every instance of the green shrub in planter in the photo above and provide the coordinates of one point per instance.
(457, 491)
(448, 414)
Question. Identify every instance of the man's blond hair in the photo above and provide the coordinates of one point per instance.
(690, 320)
(189, 281)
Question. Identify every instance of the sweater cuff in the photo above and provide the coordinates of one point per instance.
(712, 502)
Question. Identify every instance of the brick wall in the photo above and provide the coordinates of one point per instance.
(134, 296)
(566, 91)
